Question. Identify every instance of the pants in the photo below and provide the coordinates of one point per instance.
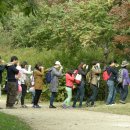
(24, 91)
(94, 94)
(80, 94)
(53, 95)
(111, 92)
(69, 94)
(37, 96)
(123, 90)
(12, 93)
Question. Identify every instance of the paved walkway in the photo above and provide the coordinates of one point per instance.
(72, 119)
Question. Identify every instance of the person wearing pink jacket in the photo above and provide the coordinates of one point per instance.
(69, 87)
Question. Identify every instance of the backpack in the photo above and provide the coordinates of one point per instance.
(105, 75)
(78, 77)
(89, 76)
(48, 77)
(27, 81)
(120, 76)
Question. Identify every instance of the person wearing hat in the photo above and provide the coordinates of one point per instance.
(56, 72)
(125, 82)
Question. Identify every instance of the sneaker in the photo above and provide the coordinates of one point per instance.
(64, 106)
(87, 104)
(123, 102)
(24, 106)
(36, 106)
(51, 106)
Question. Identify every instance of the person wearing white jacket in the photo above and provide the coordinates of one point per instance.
(25, 71)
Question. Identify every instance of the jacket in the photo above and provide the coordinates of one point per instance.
(126, 79)
(69, 80)
(55, 74)
(113, 73)
(2, 67)
(38, 79)
(83, 73)
(95, 75)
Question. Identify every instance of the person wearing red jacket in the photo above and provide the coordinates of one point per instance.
(69, 87)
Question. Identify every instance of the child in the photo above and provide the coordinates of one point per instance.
(69, 87)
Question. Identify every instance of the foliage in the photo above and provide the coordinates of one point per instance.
(8, 122)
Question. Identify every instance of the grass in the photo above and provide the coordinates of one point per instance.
(8, 122)
(122, 109)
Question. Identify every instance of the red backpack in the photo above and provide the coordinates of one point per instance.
(105, 75)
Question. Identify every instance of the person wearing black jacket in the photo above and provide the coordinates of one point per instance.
(11, 82)
(111, 83)
(82, 69)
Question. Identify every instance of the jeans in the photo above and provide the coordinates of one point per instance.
(111, 92)
(123, 92)
(53, 95)
(24, 91)
(80, 94)
(37, 96)
(94, 94)
(12, 93)
(69, 94)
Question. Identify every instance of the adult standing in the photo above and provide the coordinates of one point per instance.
(94, 83)
(112, 72)
(11, 82)
(125, 82)
(38, 83)
(82, 70)
(56, 72)
(25, 71)
(2, 67)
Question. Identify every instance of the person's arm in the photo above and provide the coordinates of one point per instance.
(96, 71)
(2, 67)
(70, 77)
(56, 72)
(114, 71)
(15, 70)
(80, 71)
(39, 73)
(28, 71)
(126, 76)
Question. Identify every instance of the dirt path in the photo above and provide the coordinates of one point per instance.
(72, 119)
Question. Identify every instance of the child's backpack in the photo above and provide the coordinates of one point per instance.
(120, 76)
(105, 75)
(48, 77)
(78, 77)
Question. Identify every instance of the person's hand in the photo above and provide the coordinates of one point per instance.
(74, 87)
(61, 68)
(98, 65)
(86, 67)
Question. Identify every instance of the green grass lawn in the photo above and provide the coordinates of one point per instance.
(8, 122)
(123, 109)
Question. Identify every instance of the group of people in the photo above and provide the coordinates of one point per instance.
(20, 73)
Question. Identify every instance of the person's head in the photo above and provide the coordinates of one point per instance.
(94, 63)
(14, 60)
(24, 64)
(82, 65)
(57, 64)
(124, 64)
(38, 66)
(70, 72)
